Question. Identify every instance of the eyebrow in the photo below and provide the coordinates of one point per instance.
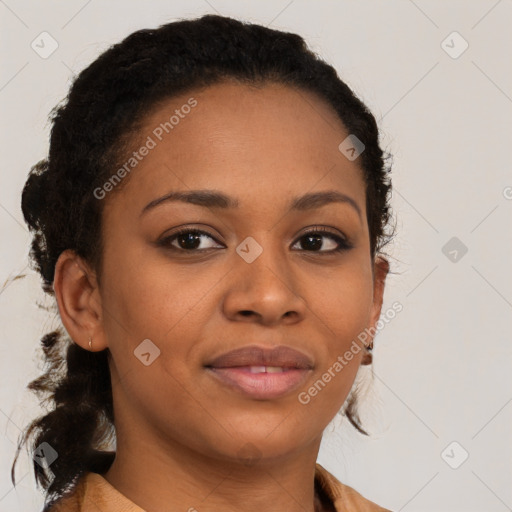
(213, 199)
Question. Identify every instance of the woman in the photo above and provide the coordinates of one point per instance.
(210, 220)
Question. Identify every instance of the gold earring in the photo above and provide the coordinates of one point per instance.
(90, 343)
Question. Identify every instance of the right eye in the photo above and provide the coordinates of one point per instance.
(187, 240)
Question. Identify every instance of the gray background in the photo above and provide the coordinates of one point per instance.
(442, 365)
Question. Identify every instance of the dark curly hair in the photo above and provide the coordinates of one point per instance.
(91, 130)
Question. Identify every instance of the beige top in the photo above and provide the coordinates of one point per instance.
(93, 493)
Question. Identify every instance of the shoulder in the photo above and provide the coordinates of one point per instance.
(345, 498)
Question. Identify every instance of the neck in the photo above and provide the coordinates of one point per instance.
(179, 479)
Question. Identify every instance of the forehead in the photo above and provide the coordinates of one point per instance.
(244, 140)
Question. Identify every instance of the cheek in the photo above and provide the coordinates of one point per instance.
(147, 298)
(343, 306)
(343, 313)
(148, 295)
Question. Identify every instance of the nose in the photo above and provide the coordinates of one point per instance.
(266, 290)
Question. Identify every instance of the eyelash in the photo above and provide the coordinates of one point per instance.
(343, 244)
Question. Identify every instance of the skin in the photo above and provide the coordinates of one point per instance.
(182, 437)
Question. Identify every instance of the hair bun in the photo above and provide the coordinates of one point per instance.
(33, 197)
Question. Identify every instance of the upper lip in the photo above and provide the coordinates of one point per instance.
(254, 355)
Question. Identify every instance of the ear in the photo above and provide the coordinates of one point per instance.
(380, 271)
(79, 301)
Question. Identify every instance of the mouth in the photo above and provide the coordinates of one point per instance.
(271, 383)
(261, 373)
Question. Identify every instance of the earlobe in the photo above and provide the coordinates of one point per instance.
(367, 355)
(76, 294)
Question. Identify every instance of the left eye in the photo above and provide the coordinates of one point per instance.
(314, 237)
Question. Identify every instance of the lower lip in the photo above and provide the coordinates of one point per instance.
(261, 386)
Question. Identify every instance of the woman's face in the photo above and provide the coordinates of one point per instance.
(252, 278)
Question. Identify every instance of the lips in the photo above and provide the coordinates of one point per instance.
(261, 373)
(253, 356)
